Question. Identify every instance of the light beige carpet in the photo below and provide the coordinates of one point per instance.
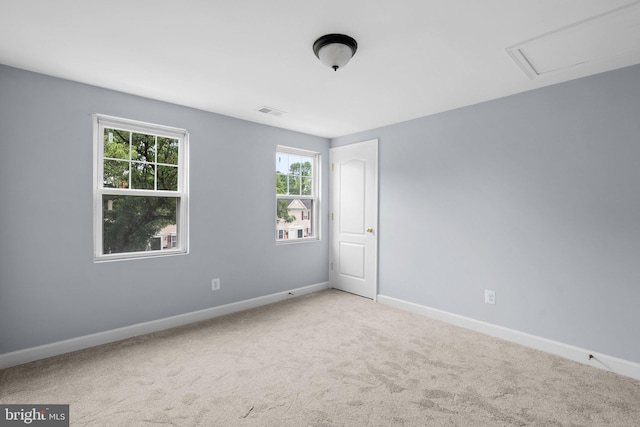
(325, 359)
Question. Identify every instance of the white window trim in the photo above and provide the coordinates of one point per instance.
(315, 184)
(101, 121)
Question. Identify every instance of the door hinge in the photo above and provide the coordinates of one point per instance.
(331, 266)
(331, 216)
(331, 167)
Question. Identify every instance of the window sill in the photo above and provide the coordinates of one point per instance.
(295, 241)
(137, 256)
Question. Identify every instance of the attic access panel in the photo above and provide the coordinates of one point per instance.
(614, 35)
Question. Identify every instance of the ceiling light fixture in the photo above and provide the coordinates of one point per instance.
(335, 50)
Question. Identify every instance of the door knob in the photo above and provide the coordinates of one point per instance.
(369, 230)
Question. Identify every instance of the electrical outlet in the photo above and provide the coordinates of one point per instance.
(215, 284)
(489, 297)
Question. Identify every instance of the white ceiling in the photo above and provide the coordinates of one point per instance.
(414, 58)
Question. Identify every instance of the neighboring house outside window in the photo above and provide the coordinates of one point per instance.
(140, 189)
(298, 211)
(168, 237)
(297, 189)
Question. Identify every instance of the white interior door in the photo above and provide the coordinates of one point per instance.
(354, 218)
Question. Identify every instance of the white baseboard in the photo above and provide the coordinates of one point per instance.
(577, 354)
(40, 352)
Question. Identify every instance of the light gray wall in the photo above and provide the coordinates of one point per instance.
(536, 196)
(50, 288)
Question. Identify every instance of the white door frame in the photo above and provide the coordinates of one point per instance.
(371, 214)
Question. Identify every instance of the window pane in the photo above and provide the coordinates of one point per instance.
(143, 147)
(294, 164)
(295, 218)
(281, 183)
(116, 144)
(307, 189)
(167, 150)
(142, 176)
(305, 169)
(294, 185)
(167, 178)
(282, 163)
(116, 174)
(135, 224)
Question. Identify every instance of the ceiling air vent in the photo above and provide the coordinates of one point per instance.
(271, 111)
